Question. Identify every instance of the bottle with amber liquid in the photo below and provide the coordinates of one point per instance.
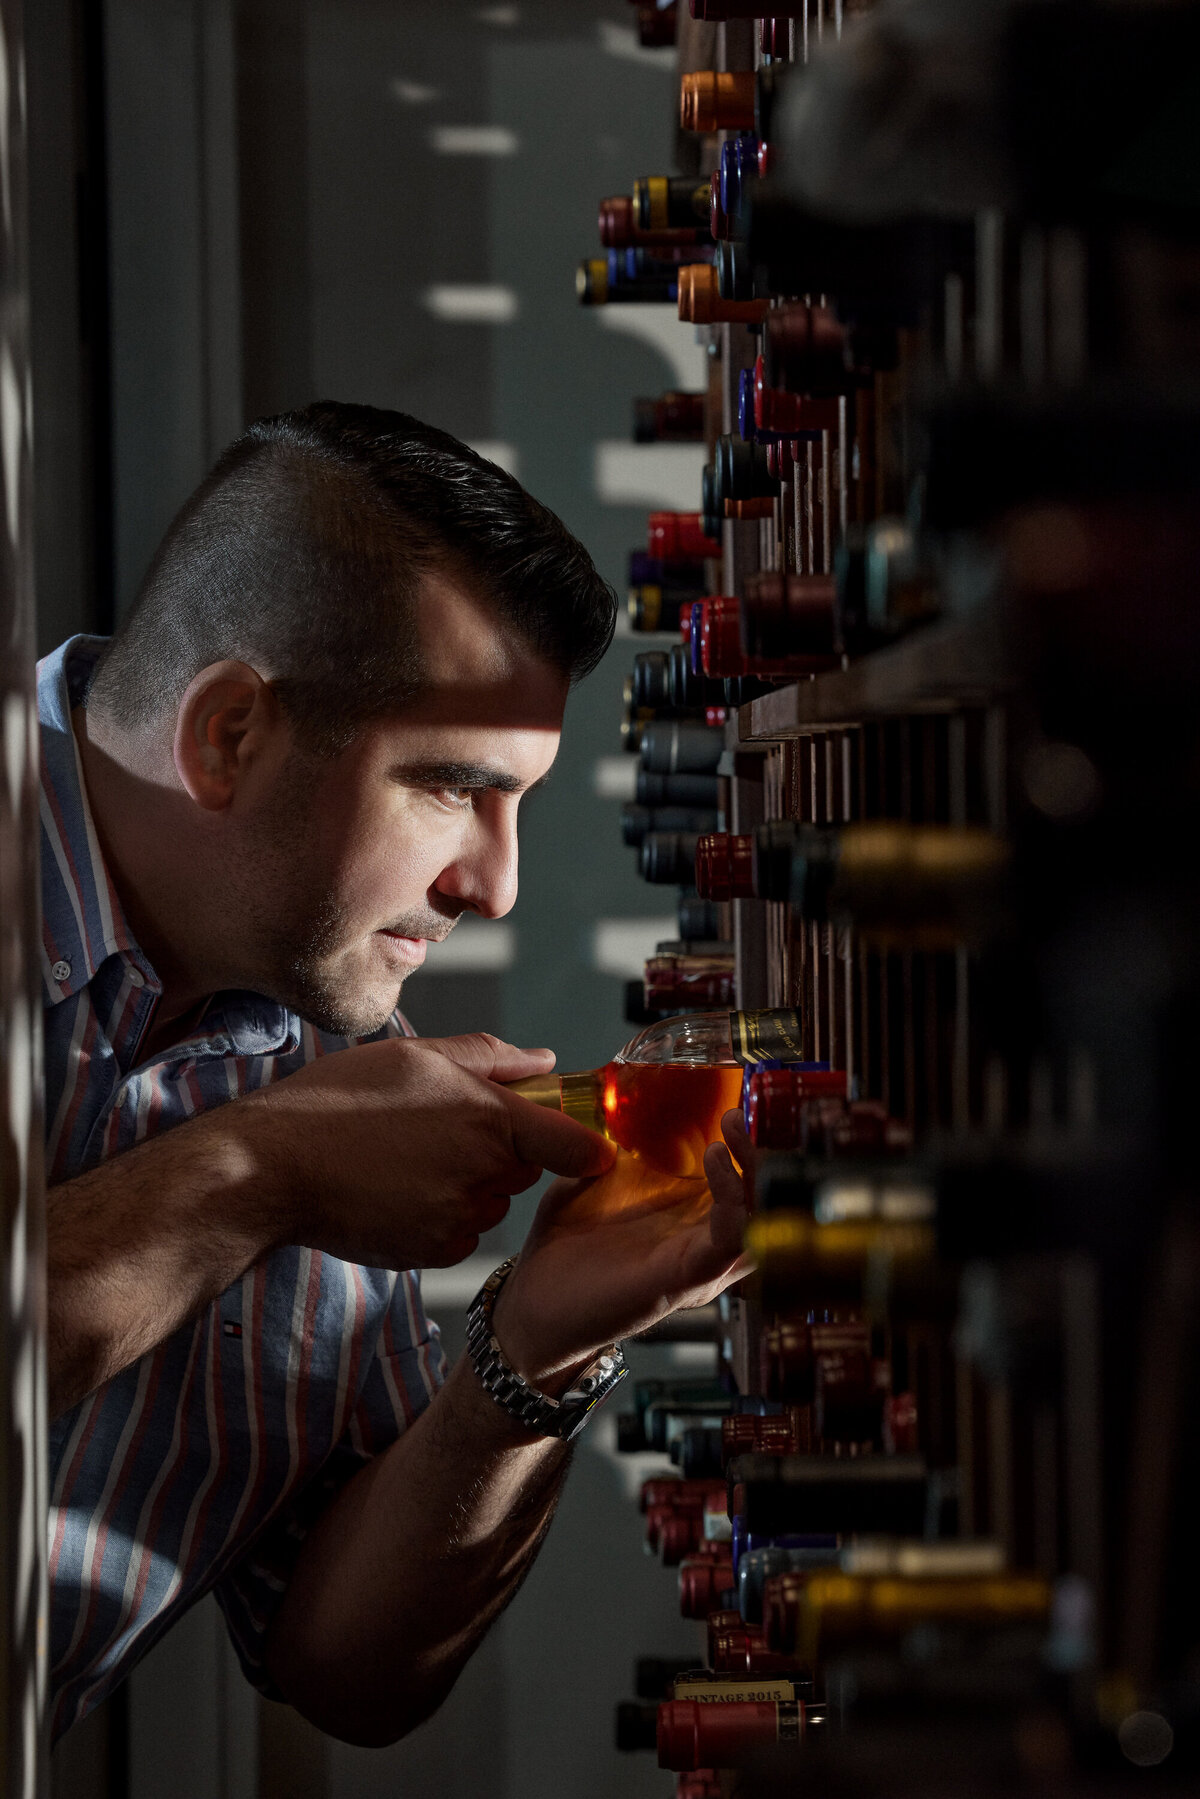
(662, 1097)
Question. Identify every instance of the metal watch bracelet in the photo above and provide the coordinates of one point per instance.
(564, 1417)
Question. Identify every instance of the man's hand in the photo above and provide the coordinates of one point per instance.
(397, 1154)
(608, 1257)
(402, 1153)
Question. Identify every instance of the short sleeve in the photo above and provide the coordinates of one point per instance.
(401, 1378)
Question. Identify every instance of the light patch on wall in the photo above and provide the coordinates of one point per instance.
(454, 1288)
(473, 140)
(667, 475)
(470, 305)
(504, 16)
(622, 40)
(661, 328)
(474, 946)
(614, 777)
(621, 946)
(412, 93)
(507, 456)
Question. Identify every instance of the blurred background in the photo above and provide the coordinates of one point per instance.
(239, 206)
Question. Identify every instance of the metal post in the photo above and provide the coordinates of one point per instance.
(22, 1286)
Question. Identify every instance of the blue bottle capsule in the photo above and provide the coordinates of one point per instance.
(756, 1566)
(752, 1068)
(742, 1541)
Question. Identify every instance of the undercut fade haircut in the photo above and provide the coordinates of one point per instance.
(302, 552)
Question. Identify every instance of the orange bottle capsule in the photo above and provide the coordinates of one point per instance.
(712, 101)
(700, 302)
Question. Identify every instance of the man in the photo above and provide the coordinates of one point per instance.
(299, 760)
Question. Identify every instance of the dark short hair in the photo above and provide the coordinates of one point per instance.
(302, 551)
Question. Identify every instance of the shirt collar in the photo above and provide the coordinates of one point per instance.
(83, 922)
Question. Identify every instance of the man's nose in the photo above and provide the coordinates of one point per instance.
(483, 876)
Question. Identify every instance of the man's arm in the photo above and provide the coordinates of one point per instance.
(397, 1154)
(402, 1576)
(405, 1571)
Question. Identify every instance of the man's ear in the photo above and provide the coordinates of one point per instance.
(224, 721)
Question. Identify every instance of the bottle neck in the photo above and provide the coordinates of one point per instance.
(578, 1095)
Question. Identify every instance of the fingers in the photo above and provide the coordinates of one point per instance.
(490, 1057)
(741, 1144)
(556, 1142)
(727, 1219)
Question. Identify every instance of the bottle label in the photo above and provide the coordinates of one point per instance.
(704, 1690)
(767, 1036)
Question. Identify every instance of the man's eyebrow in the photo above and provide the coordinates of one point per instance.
(462, 774)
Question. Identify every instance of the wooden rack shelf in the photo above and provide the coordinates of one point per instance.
(962, 662)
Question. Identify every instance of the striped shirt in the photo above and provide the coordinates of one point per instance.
(203, 1465)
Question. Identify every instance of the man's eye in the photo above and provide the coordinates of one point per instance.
(457, 797)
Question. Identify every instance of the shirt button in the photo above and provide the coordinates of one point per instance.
(61, 972)
(136, 978)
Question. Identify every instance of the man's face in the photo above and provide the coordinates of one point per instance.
(349, 866)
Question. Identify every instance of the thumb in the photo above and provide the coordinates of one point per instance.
(490, 1057)
(556, 1142)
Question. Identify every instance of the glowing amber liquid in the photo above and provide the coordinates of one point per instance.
(668, 1112)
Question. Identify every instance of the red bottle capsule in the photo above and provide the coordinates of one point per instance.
(619, 229)
(760, 506)
(725, 866)
(669, 1490)
(789, 615)
(724, 1619)
(679, 537)
(777, 1100)
(744, 1650)
(863, 1128)
(721, 651)
(698, 1783)
(788, 1351)
(900, 1424)
(788, 1433)
(777, 410)
(672, 1535)
(774, 38)
(783, 1596)
(724, 1735)
(745, 9)
(783, 453)
(673, 417)
(718, 222)
(804, 351)
(702, 1580)
(705, 983)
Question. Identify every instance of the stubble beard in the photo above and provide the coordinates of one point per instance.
(299, 933)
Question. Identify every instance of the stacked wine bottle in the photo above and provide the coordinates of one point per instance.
(915, 723)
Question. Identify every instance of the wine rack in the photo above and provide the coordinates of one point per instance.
(951, 423)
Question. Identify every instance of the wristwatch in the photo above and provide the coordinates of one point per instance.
(563, 1417)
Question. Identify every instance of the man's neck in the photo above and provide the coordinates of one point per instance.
(159, 879)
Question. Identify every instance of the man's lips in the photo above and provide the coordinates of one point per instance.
(413, 948)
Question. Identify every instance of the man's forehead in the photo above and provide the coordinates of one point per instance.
(476, 671)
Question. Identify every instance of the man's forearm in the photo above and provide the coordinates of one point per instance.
(140, 1244)
(404, 1573)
